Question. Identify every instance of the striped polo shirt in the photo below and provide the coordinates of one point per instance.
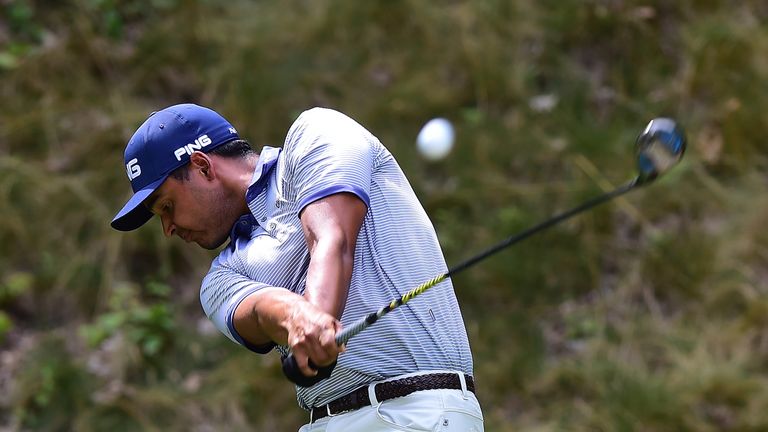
(326, 152)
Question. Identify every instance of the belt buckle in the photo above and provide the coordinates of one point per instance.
(327, 412)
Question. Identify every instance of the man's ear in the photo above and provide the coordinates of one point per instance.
(200, 162)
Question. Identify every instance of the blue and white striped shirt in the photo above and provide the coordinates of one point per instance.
(325, 153)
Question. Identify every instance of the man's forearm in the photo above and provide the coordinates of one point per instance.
(265, 316)
(331, 226)
(330, 271)
(280, 316)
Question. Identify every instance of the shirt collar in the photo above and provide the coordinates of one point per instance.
(267, 161)
(241, 228)
(265, 164)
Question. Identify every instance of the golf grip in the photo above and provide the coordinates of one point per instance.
(292, 372)
(348, 332)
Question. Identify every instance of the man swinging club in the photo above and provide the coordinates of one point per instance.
(321, 232)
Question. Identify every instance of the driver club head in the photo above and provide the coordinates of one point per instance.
(659, 148)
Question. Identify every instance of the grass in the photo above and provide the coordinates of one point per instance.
(646, 314)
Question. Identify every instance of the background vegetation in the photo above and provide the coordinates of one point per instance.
(647, 314)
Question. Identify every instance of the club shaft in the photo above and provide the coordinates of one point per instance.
(542, 226)
(348, 332)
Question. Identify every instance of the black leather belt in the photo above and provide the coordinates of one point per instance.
(390, 390)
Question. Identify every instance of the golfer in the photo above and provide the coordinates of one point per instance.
(319, 233)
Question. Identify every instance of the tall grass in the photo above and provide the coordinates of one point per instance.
(647, 314)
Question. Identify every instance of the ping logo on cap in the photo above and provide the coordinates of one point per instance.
(188, 149)
(133, 169)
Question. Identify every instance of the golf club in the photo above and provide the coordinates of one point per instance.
(659, 148)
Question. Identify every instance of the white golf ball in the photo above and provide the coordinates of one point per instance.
(435, 139)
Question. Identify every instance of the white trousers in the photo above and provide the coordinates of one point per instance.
(429, 410)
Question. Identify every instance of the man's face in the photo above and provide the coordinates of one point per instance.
(196, 209)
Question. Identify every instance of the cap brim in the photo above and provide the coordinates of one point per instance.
(134, 214)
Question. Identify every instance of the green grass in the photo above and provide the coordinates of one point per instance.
(646, 314)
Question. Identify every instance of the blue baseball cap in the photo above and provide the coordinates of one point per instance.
(161, 144)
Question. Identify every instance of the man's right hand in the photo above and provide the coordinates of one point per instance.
(312, 336)
(280, 316)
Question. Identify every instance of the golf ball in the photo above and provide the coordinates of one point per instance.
(435, 139)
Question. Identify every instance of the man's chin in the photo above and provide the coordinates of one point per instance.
(211, 244)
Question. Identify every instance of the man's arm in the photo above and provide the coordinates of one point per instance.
(308, 323)
(331, 226)
(281, 316)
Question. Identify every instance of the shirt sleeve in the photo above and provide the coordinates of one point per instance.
(329, 153)
(222, 291)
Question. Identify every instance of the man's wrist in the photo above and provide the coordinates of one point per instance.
(275, 311)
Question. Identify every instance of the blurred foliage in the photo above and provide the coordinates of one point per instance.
(150, 327)
(646, 314)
